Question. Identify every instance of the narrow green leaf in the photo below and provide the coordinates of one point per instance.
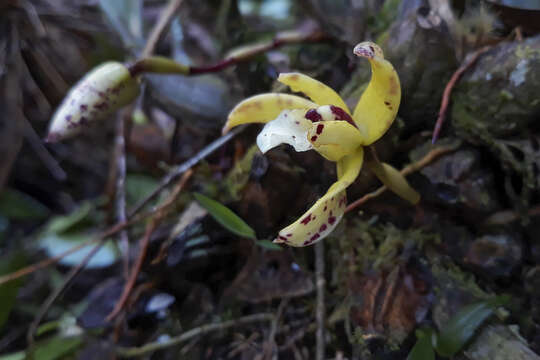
(422, 350)
(462, 326)
(20, 206)
(9, 290)
(267, 244)
(225, 217)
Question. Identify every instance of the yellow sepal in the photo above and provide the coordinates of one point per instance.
(394, 181)
(379, 104)
(264, 108)
(314, 89)
(334, 139)
(321, 219)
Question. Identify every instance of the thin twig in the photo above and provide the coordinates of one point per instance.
(56, 293)
(44, 263)
(41, 151)
(175, 172)
(143, 246)
(198, 331)
(245, 53)
(180, 169)
(450, 86)
(409, 169)
(120, 193)
(321, 310)
(270, 346)
(157, 31)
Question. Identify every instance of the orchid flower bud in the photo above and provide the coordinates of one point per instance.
(97, 95)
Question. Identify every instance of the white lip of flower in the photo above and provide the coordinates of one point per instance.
(290, 127)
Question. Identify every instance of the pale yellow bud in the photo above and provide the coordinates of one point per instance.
(97, 95)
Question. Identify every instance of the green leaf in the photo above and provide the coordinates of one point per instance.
(139, 187)
(61, 224)
(51, 349)
(56, 244)
(16, 205)
(422, 350)
(20, 355)
(56, 348)
(462, 326)
(267, 244)
(10, 289)
(225, 217)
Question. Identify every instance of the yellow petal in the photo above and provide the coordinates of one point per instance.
(334, 139)
(264, 108)
(378, 105)
(314, 89)
(325, 214)
(394, 181)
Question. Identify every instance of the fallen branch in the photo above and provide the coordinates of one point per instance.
(198, 331)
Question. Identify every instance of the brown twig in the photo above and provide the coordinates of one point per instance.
(321, 310)
(143, 245)
(270, 347)
(157, 31)
(450, 86)
(245, 53)
(409, 169)
(198, 331)
(44, 263)
(56, 293)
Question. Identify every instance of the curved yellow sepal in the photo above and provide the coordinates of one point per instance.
(334, 139)
(379, 104)
(314, 89)
(321, 219)
(394, 181)
(264, 108)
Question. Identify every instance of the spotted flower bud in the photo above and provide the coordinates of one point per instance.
(102, 91)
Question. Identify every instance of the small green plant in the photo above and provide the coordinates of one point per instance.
(457, 332)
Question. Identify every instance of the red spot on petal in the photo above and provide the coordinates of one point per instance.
(306, 220)
(297, 122)
(314, 237)
(314, 138)
(325, 207)
(331, 220)
(323, 227)
(313, 115)
(288, 235)
(83, 107)
(341, 114)
(320, 128)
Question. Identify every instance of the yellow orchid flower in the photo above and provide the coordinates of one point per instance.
(326, 125)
